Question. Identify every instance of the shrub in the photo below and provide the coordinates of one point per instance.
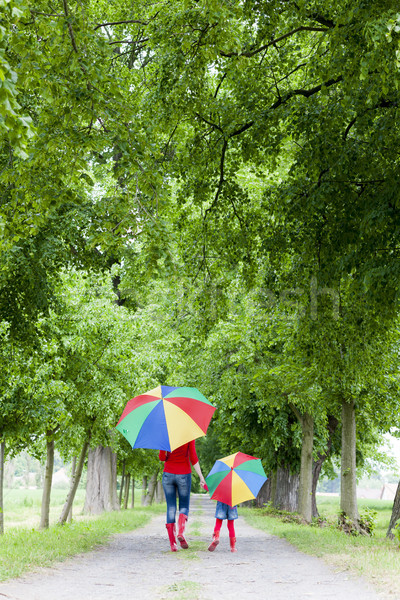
(368, 520)
(365, 525)
(396, 531)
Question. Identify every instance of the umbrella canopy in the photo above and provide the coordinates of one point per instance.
(235, 478)
(165, 418)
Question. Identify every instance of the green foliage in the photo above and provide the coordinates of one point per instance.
(396, 531)
(15, 126)
(233, 166)
(368, 520)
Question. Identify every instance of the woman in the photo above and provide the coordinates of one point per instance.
(177, 478)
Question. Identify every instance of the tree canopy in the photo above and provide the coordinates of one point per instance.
(201, 192)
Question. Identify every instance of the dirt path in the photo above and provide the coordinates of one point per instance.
(140, 565)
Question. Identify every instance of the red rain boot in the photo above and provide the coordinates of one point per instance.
(181, 528)
(233, 542)
(171, 534)
(215, 541)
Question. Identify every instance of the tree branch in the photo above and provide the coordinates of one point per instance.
(349, 126)
(251, 53)
(121, 23)
(311, 92)
(70, 30)
(169, 140)
(213, 125)
(323, 20)
(219, 85)
(296, 412)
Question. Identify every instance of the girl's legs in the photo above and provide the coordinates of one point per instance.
(184, 483)
(232, 538)
(215, 540)
(231, 528)
(169, 486)
(218, 525)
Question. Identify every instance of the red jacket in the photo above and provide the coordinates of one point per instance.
(180, 460)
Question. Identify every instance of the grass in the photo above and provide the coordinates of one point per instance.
(24, 548)
(22, 506)
(183, 590)
(374, 557)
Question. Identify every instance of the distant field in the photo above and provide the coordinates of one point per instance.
(22, 506)
(329, 506)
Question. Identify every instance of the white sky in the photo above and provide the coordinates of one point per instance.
(393, 447)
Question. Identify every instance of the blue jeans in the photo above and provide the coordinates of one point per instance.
(173, 484)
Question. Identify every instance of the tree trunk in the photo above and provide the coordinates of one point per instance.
(306, 467)
(121, 489)
(264, 495)
(395, 513)
(48, 478)
(273, 478)
(133, 493)
(73, 471)
(74, 485)
(348, 482)
(152, 488)
(127, 486)
(159, 493)
(101, 485)
(287, 490)
(2, 452)
(9, 472)
(144, 489)
(317, 465)
(28, 461)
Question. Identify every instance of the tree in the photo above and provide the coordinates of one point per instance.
(395, 516)
(268, 157)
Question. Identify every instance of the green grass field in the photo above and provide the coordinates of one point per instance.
(374, 557)
(22, 506)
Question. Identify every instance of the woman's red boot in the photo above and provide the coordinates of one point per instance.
(215, 541)
(181, 529)
(233, 542)
(171, 534)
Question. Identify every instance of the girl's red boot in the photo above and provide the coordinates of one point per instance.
(171, 534)
(233, 542)
(215, 541)
(181, 529)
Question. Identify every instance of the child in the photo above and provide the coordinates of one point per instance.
(224, 511)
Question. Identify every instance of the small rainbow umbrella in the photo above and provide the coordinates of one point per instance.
(165, 418)
(235, 478)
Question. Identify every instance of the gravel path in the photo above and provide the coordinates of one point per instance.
(140, 565)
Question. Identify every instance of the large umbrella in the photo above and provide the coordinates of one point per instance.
(235, 478)
(165, 418)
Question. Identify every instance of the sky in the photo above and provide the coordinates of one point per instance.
(393, 447)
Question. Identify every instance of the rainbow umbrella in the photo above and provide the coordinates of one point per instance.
(165, 418)
(235, 478)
